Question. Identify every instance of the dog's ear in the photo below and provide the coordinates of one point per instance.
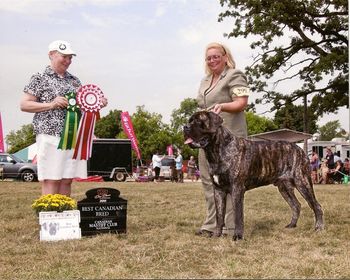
(216, 121)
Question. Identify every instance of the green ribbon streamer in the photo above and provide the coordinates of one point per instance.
(71, 122)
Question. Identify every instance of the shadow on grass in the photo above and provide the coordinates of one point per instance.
(264, 227)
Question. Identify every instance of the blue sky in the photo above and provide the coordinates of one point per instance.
(139, 52)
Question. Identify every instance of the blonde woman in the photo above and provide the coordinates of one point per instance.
(225, 91)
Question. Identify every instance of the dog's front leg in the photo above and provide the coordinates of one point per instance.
(220, 206)
(237, 202)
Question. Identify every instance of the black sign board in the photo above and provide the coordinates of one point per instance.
(102, 211)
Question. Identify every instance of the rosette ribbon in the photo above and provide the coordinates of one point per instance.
(71, 122)
(89, 98)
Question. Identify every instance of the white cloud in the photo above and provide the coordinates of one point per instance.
(48, 7)
(160, 10)
(191, 34)
(96, 21)
(32, 7)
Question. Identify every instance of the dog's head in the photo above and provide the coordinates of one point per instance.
(200, 128)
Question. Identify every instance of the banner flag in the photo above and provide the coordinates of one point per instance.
(170, 150)
(129, 131)
(2, 148)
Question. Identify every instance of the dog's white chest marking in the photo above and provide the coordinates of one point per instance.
(216, 179)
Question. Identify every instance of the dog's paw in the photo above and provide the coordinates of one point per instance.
(291, 225)
(237, 237)
(319, 227)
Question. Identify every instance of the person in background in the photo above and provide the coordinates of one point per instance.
(335, 174)
(178, 166)
(314, 161)
(324, 172)
(330, 158)
(173, 174)
(191, 169)
(156, 165)
(225, 91)
(44, 96)
(346, 166)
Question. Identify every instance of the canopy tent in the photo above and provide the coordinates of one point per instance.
(28, 153)
(281, 134)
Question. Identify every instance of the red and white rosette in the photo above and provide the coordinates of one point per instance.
(89, 98)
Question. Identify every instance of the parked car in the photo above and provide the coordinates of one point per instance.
(15, 168)
(166, 170)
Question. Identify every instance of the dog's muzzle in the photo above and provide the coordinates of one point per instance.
(186, 129)
(201, 143)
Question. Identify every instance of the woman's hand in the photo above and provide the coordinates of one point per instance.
(217, 108)
(59, 102)
(237, 105)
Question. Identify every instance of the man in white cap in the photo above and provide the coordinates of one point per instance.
(45, 97)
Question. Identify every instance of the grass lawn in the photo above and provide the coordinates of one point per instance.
(160, 240)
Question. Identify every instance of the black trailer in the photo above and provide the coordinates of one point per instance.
(111, 159)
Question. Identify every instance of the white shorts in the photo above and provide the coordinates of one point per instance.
(57, 164)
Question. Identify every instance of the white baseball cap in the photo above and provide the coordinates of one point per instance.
(62, 47)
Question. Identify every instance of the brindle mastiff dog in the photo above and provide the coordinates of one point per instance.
(237, 165)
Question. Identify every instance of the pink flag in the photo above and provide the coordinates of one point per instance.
(2, 148)
(129, 131)
(170, 150)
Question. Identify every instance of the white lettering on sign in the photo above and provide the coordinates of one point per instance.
(103, 214)
(102, 208)
(109, 208)
(107, 224)
(87, 208)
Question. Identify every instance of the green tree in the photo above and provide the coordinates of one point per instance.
(331, 130)
(179, 117)
(152, 134)
(108, 126)
(306, 41)
(291, 116)
(20, 139)
(257, 124)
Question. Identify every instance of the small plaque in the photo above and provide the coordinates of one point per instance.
(102, 211)
(56, 226)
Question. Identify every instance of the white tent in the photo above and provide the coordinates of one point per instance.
(281, 134)
(28, 153)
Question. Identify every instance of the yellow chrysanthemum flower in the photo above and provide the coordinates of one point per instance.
(56, 202)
